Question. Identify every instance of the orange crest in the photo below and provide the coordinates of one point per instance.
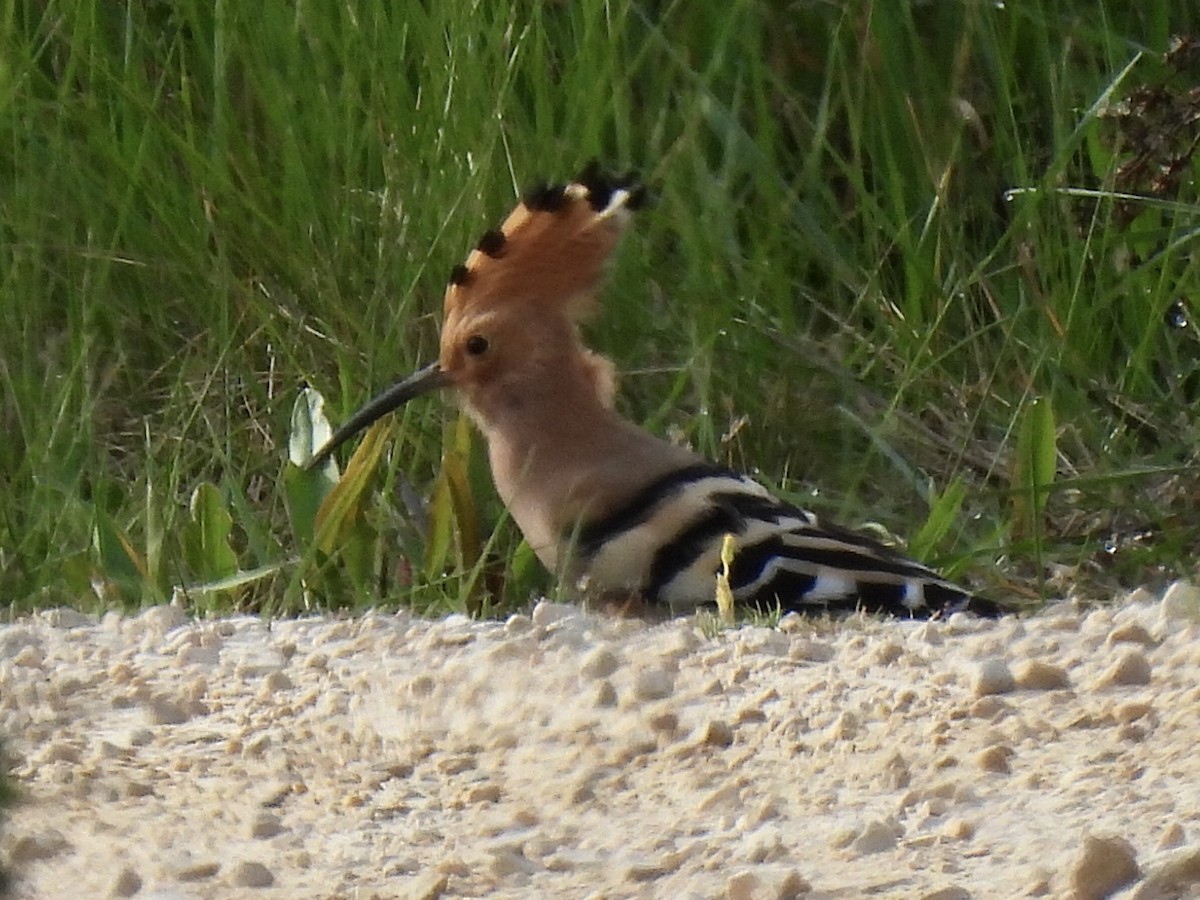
(551, 250)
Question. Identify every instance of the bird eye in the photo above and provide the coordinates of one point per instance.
(477, 345)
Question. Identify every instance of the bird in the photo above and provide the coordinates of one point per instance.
(620, 511)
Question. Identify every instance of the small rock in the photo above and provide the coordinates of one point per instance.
(663, 721)
(30, 656)
(1180, 601)
(767, 882)
(805, 650)
(165, 711)
(547, 613)
(895, 773)
(653, 684)
(274, 683)
(1105, 865)
(198, 655)
(252, 874)
(959, 830)
(517, 624)
(61, 751)
(995, 758)
(599, 663)
(645, 870)
(1130, 633)
(991, 708)
(484, 793)
(887, 653)
(1172, 837)
(135, 789)
(950, 892)
(741, 886)
(1039, 883)
(198, 871)
(714, 733)
(1035, 675)
(756, 641)
(1131, 668)
(846, 727)
(992, 676)
(162, 618)
(127, 883)
(875, 838)
(749, 714)
(33, 847)
(605, 695)
(265, 825)
(429, 886)
(456, 764)
(509, 859)
(1132, 711)
(1178, 876)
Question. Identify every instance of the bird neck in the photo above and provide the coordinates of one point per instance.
(561, 456)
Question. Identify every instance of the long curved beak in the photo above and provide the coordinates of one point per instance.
(427, 379)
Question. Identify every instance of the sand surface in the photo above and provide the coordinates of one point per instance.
(565, 754)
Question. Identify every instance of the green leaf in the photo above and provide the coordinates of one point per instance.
(341, 506)
(944, 509)
(206, 538)
(305, 489)
(120, 564)
(1034, 470)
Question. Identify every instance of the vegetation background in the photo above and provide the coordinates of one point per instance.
(891, 255)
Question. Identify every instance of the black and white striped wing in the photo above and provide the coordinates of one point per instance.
(666, 542)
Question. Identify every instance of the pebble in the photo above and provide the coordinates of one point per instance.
(252, 875)
(767, 882)
(1175, 877)
(992, 676)
(34, 847)
(429, 886)
(605, 695)
(805, 650)
(275, 682)
(1173, 836)
(127, 883)
(714, 733)
(950, 892)
(161, 618)
(165, 711)
(1180, 601)
(875, 838)
(265, 825)
(653, 684)
(1131, 633)
(1035, 675)
(546, 613)
(995, 758)
(599, 663)
(1105, 865)
(1131, 668)
(197, 870)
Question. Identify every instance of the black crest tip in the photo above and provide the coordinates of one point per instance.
(546, 197)
(492, 243)
(639, 196)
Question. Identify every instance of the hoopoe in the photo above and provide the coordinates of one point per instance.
(597, 498)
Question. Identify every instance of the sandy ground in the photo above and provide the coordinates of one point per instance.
(564, 754)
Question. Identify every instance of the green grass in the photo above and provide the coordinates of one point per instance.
(205, 205)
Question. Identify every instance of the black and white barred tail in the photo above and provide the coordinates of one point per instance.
(665, 545)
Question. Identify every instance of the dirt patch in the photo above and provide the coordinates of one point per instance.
(570, 755)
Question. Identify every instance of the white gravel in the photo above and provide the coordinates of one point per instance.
(571, 755)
